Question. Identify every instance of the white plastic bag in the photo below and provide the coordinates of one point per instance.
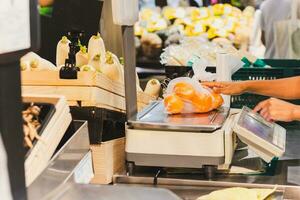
(200, 73)
(197, 86)
(175, 55)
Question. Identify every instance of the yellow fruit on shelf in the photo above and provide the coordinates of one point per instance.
(146, 14)
(156, 25)
(138, 30)
(227, 9)
(169, 13)
(211, 33)
(204, 13)
(221, 33)
(217, 23)
(218, 9)
(195, 14)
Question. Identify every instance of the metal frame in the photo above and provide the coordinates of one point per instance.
(11, 127)
(129, 71)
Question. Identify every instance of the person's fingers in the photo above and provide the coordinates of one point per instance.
(265, 115)
(219, 90)
(208, 84)
(264, 111)
(275, 115)
(216, 90)
(213, 84)
(269, 118)
(261, 105)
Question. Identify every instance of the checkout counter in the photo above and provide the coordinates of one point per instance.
(285, 175)
(60, 180)
(69, 170)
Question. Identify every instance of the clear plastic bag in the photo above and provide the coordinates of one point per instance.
(189, 47)
(200, 73)
(187, 95)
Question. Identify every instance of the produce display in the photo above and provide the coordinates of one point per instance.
(172, 24)
(93, 58)
(184, 53)
(33, 62)
(186, 95)
(31, 124)
(238, 193)
(153, 88)
(151, 44)
(62, 50)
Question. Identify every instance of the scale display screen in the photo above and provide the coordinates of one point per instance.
(266, 139)
(254, 123)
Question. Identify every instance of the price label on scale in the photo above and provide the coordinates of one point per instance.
(14, 25)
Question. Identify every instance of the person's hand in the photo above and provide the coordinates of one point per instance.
(228, 88)
(276, 110)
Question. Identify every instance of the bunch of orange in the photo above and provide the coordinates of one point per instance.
(185, 92)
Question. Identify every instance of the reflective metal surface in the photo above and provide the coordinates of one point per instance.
(186, 186)
(155, 117)
(109, 192)
(62, 165)
(192, 189)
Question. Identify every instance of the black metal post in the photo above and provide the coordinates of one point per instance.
(129, 71)
(11, 127)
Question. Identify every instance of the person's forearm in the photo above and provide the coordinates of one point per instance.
(296, 113)
(287, 88)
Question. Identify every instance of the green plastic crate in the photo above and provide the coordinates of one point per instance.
(280, 69)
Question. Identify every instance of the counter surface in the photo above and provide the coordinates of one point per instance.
(191, 186)
(186, 186)
(63, 164)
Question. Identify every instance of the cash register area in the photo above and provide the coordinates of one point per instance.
(102, 100)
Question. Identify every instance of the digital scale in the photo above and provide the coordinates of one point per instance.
(199, 140)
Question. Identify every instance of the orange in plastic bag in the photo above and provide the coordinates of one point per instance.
(184, 90)
(218, 100)
(186, 95)
(202, 102)
(173, 104)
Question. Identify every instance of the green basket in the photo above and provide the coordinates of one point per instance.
(46, 11)
(280, 69)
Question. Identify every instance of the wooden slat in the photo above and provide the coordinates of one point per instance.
(88, 79)
(84, 94)
(88, 96)
(85, 79)
(108, 159)
(42, 151)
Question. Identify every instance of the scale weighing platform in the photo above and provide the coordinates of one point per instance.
(199, 140)
(154, 117)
